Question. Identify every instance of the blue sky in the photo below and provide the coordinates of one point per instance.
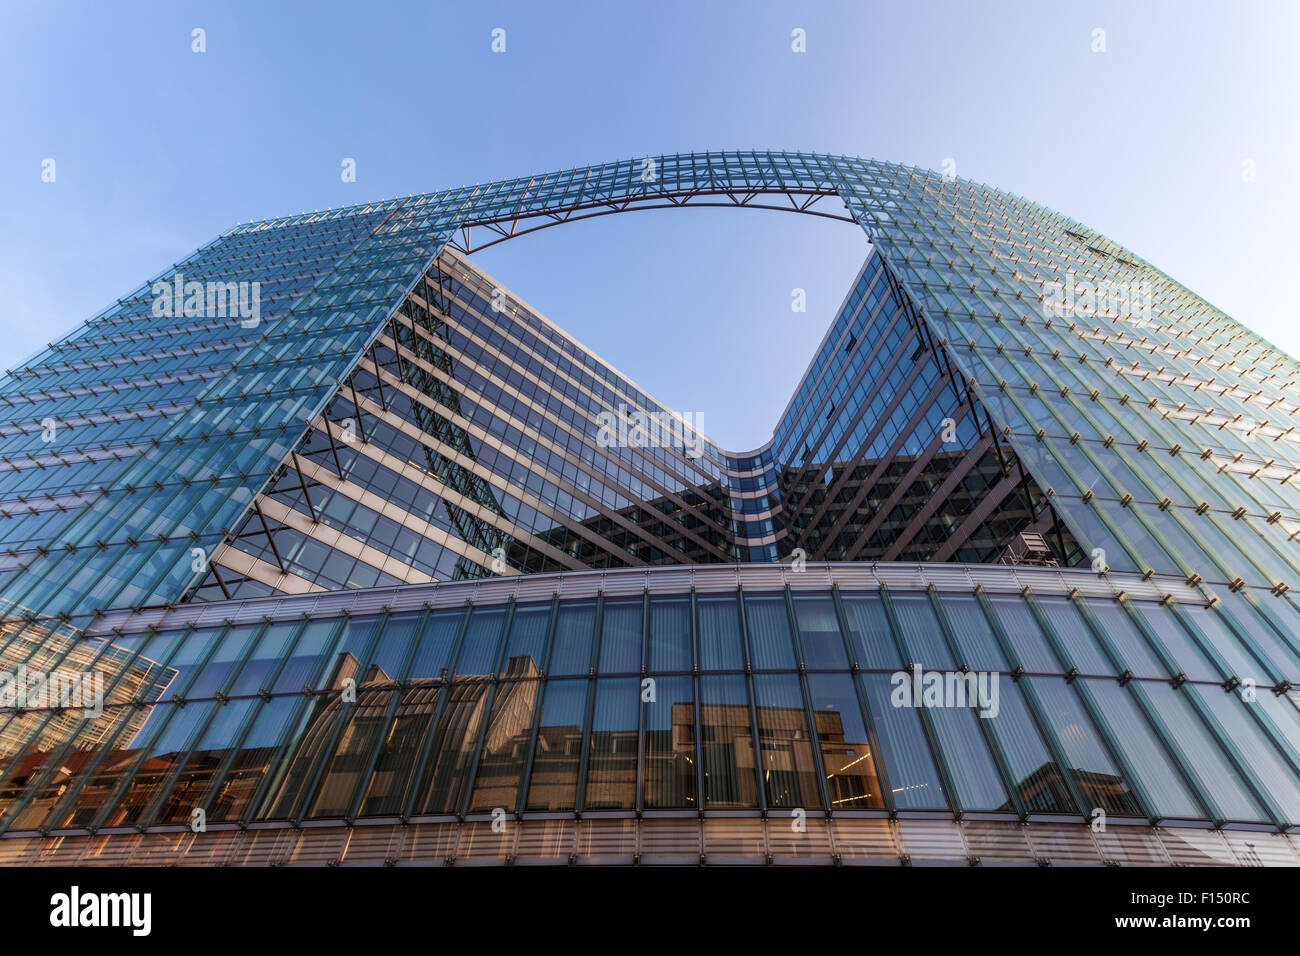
(158, 149)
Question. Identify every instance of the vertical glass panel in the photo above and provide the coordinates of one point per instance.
(922, 635)
(611, 766)
(436, 643)
(1255, 751)
(1133, 650)
(1200, 756)
(1037, 778)
(1283, 717)
(399, 751)
(769, 632)
(819, 632)
(505, 745)
(727, 743)
(670, 744)
(189, 654)
(1095, 774)
(921, 631)
(1214, 630)
(226, 658)
(274, 645)
(620, 636)
(1156, 773)
(258, 753)
(394, 647)
(478, 651)
(851, 779)
(960, 738)
(1243, 616)
(307, 658)
(720, 633)
(554, 781)
(1187, 657)
(907, 759)
(453, 745)
(527, 642)
(352, 650)
(349, 757)
(869, 632)
(197, 775)
(789, 769)
(976, 643)
(670, 634)
(1028, 644)
(1081, 649)
(575, 627)
(174, 741)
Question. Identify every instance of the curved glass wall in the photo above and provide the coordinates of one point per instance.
(1037, 703)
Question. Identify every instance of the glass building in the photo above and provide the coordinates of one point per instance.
(365, 561)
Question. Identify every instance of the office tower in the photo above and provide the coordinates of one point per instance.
(381, 548)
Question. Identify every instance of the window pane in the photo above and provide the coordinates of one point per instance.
(1038, 780)
(670, 634)
(575, 626)
(670, 744)
(1200, 756)
(453, 746)
(727, 743)
(1133, 650)
(1157, 776)
(1095, 774)
(527, 641)
(819, 632)
(620, 636)
(1028, 643)
(611, 767)
(912, 774)
(1187, 657)
(846, 753)
(400, 750)
(349, 757)
(1260, 757)
(720, 633)
(1081, 649)
(921, 633)
(554, 781)
(436, 644)
(505, 746)
(977, 644)
(478, 652)
(869, 632)
(769, 632)
(789, 770)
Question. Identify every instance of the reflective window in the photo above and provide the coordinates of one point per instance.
(727, 743)
(670, 634)
(819, 632)
(670, 760)
(554, 781)
(720, 647)
(769, 632)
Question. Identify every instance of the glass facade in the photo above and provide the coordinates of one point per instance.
(634, 696)
(341, 407)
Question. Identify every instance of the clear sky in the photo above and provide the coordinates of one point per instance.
(158, 148)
